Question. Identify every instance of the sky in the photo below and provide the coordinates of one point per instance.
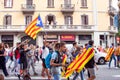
(115, 4)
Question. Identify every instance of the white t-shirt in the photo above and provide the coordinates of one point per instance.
(45, 52)
(7, 51)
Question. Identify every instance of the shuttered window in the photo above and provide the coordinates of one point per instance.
(8, 3)
(7, 20)
(28, 19)
(111, 21)
(84, 19)
(83, 3)
(50, 3)
(68, 20)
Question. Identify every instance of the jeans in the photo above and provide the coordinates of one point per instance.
(81, 75)
(56, 77)
(31, 63)
(112, 57)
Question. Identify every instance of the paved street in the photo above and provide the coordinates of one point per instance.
(103, 73)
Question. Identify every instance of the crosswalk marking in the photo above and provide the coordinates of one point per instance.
(116, 75)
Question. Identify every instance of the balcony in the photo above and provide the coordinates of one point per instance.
(50, 28)
(28, 9)
(113, 29)
(67, 8)
(12, 28)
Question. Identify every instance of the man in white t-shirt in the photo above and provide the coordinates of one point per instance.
(45, 52)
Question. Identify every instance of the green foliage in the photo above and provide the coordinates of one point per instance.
(118, 34)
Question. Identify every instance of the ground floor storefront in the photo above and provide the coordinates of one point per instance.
(100, 38)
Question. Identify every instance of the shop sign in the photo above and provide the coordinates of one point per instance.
(67, 37)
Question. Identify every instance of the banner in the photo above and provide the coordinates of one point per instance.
(79, 63)
(110, 52)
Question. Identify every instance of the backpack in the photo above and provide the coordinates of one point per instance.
(47, 60)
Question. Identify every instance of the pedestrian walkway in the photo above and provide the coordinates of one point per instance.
(32, 77)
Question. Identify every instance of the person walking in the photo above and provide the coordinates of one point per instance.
(2, 60)
(112, 57)
(45, 52)
(117, 53)
(90, 65)
(56, 60)
(30, 59)
(23, 58)
(77, 53)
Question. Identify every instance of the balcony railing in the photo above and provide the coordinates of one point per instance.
(50, 28)
(67, 8)
(28, 9)
(113, 29)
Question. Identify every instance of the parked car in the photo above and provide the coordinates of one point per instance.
(100, 57)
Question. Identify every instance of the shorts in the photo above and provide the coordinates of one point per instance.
(91, 71)
(44, 65)
(23, 66)
(118, 57)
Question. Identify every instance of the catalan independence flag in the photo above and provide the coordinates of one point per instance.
(34, 27)
(110, 52)
(79, 63)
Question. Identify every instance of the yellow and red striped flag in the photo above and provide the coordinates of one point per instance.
(34, 27)
(110, 52)
(63, 62)
(79, 63)
(64, 58)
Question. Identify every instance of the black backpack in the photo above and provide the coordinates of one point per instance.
(59, 58)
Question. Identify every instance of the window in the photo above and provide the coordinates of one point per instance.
(29, 2)
(84, 19)
(85, 37)
(8, 39)
(111, 21)
(84, 3)
(7, 20)
(50, 19)
(51, 3)
(67, 1)
(68, 20)
(8, 3)
(28, 19)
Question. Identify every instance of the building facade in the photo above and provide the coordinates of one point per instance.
(64, 20)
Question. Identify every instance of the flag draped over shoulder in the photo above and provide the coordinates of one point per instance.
(64, 59)
(110, 52)
(34, 27)
(79, 62)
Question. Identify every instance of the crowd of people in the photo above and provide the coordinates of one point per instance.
(25, 56)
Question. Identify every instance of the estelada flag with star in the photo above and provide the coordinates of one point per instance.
(34, 27)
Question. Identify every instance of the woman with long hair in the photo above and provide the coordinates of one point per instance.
(2, 60)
